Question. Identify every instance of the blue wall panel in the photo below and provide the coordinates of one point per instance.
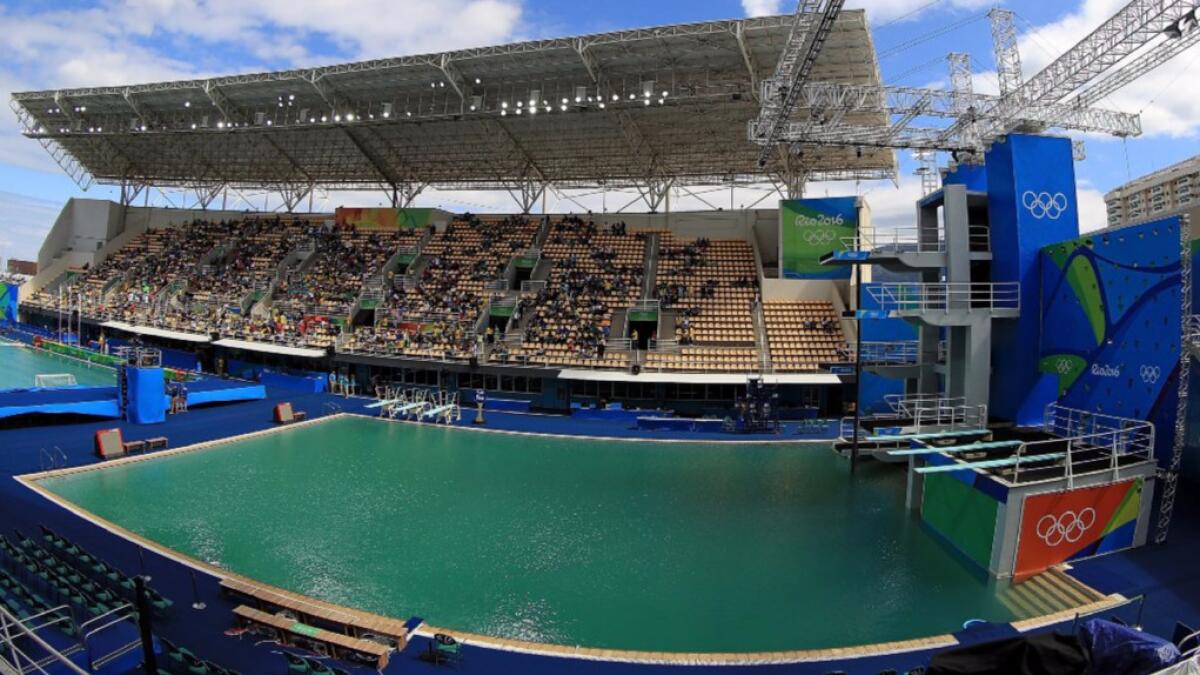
(1031, 204)
(1111, 310)
(875, 387)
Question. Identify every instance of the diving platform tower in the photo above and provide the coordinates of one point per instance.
(972, 260)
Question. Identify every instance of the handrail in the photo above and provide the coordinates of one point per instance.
(1084, 430)
(13, 632)
(1193, 328)
(913, 238)
(947, 296)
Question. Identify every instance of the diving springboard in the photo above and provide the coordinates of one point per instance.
(380, 404)
(991, 463)
(437, 411)
(970, 447)
(932, 435)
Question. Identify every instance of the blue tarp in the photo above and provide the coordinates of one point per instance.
(146, 387)
(1115, 648)
(222, 391)
(97, 401)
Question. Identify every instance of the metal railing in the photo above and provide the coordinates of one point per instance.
(646, 306)
(947, 297)
(894, 353)
(1193, 328)
(24, 651)
(1090, 432)
(533, 286)
(913, 238)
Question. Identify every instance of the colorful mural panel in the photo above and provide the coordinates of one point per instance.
(1061, 526)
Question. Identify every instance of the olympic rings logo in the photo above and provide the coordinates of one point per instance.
(1063, 366)
(1150, 374)
(1068, 527)
(816, 237)
(1044, 205)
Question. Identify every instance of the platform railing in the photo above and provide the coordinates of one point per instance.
(946, 297)
(895, 352)
(912, 238)
(1193, 329)
(1075, 431)
(24, 651)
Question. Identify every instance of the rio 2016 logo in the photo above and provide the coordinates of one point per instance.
(820, 220)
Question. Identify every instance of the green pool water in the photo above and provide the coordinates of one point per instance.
(654, 546)
(19, 367)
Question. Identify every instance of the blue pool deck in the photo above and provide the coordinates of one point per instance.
(1163, 573)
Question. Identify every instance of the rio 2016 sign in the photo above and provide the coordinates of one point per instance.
(810, 229)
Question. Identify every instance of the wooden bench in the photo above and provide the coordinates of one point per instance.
(156, 443)
(292, 632)
(351, 622)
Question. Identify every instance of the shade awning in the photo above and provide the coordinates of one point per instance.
(156, 332)
(698, 378)
(270, 348)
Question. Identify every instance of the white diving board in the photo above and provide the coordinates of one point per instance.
(932, 435)
(380, 404)
(438, 411)
(971, 447)
(991, 463)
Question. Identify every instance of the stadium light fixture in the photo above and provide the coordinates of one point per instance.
(187, 104)
(268, 122)
(615, 97)
(504, 105)
(602, 105)
(336, 118)
(519, 111)
(503, 113)
(563, 107)
(477, 81)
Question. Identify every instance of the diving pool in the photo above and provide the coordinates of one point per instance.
(682, 547)
(19, 366)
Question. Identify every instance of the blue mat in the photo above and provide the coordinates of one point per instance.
(94, 401)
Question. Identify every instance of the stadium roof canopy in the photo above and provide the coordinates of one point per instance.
(643, 108)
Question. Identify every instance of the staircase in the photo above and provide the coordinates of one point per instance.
(760, 339)
(1050, 592)
(649, 283)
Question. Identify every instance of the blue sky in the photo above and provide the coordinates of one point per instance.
(91, 42)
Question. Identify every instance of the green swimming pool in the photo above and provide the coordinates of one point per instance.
(20, 366)
(629, 545)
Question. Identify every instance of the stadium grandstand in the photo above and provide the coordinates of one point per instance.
(776, 438)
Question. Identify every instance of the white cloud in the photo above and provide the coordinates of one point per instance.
(1093, 214)
(762, 7)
